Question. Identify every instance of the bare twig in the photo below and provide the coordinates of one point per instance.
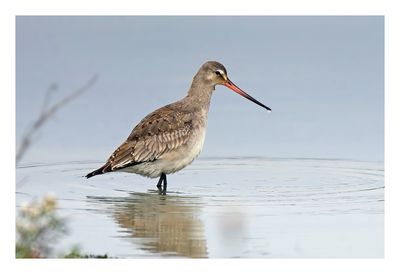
(51, 89)
(47, 112)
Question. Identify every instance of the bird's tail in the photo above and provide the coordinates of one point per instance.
(101, 170)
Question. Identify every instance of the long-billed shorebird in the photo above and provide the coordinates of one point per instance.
(171, 137)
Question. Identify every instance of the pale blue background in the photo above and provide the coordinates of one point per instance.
(323, 77)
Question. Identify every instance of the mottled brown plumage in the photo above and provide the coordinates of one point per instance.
(158, 133)
(171, 137)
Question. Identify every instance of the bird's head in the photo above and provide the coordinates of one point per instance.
(214, 73)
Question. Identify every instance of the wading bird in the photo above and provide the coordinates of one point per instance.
(171, 137)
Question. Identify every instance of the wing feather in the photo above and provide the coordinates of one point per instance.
(158, 133)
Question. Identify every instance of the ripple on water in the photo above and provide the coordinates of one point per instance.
(247, 194)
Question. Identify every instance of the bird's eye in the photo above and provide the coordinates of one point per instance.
(218, 72)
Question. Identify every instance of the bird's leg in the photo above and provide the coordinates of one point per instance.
(165, 184)
(160, 181)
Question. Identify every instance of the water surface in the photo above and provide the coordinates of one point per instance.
(220, 207)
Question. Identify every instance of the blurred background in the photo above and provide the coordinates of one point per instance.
(323, 77)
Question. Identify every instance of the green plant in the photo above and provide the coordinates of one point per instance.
(75, 253)
(38, 227)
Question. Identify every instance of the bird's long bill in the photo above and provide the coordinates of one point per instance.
(236, 89)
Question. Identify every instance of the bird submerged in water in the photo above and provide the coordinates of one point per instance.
(171, 137)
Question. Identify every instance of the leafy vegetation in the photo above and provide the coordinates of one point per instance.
(76, 254)
(38, 228)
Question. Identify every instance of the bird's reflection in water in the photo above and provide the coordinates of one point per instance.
(168, 225)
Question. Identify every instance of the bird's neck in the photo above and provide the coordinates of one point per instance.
(199, 95)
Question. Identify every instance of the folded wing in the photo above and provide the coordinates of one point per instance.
(157, 134)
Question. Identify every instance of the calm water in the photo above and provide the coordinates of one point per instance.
(220, 207)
